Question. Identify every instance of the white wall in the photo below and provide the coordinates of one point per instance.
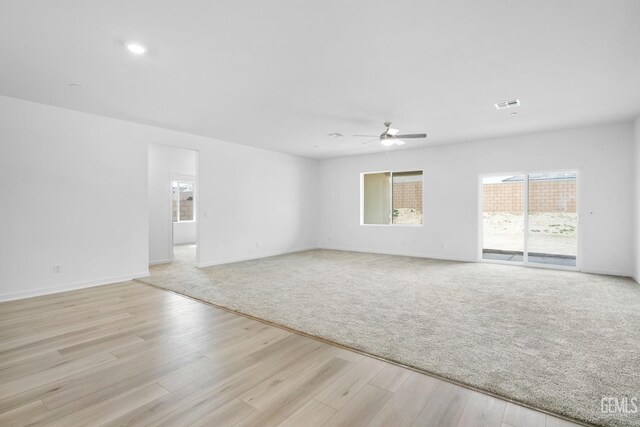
(73, 194)
(184, 232)
(603, 154)
(164, 163)
(85, 207)
(636, 207)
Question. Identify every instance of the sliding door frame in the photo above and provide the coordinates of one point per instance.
(525, 254)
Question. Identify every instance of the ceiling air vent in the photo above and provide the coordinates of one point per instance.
(507, 104)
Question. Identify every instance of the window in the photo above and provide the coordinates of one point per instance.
(183, 203)
(392, 198)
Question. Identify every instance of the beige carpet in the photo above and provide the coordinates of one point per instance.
(556, 340)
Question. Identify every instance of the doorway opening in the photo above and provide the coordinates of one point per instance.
(530, 218)
(183, 217)
(173, 202)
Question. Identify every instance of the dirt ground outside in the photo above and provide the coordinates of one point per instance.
(550, 233)
(407, 216)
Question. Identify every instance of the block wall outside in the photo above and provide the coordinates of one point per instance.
(186, 210)
(407, 195)
(544, 196)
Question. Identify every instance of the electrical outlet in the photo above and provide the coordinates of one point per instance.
(56, 268)
(441, 245)
(257, 245)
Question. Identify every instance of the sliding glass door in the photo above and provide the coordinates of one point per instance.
(503, 218)
(553, 220)
(530, 218)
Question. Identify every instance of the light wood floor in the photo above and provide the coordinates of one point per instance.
(130, 354)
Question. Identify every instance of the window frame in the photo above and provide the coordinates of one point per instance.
(390, 172)
(178, 181)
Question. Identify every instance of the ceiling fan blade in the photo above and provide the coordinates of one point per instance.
(413, 135)
(373, 140)
(392, 131)
(368, 136)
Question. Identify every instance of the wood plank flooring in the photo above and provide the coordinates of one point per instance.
(131, 354)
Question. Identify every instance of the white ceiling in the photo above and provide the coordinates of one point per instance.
(283, 74)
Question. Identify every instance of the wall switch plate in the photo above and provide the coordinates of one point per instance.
(56, 269)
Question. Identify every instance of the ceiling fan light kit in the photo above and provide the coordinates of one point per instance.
(390, 136)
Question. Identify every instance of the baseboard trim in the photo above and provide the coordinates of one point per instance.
(266, 255)
(398, 253)
(609, 273)
(70, 287)
(160, 261)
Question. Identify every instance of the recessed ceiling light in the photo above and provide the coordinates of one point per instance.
(136, 48)
(335, 134)
(75, 86)
(514, 113)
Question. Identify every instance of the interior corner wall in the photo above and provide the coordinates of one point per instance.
(602, 154)
(636, 198)
(74, 194)
(164, 163)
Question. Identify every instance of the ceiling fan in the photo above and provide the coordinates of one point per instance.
(390, 136)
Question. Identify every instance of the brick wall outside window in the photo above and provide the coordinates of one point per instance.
(407, 195)
(544, 196)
